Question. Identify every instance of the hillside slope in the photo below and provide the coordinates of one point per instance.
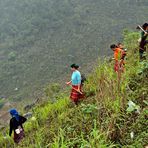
(39, 39)
(103, 119)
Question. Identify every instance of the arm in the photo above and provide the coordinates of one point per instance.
(115, 56)
(79, 87)
(11, 127)
(68, 83)
(22, 119)
(122, 53)
(79, 81)
(143, 34)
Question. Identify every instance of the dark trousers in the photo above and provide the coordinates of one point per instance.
(142, 49)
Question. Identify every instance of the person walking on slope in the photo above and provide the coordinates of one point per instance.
(119, 56)
(75, 81)
(121, 46)
(143, 41)
(119, 60)
(16, 125)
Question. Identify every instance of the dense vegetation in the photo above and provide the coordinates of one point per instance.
(103, 119)
(39, 39)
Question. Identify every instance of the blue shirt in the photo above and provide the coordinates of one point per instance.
(76, 78)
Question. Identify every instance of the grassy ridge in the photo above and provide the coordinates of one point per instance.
(101, 120)
(40, 38)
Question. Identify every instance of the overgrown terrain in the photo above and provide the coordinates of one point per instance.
(39, 39)
(103, 119)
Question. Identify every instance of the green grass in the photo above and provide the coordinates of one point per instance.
(101, 119)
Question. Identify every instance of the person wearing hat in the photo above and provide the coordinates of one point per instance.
(16, 125)
(75, 81)
(144, 42)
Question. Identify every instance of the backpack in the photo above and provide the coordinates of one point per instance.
(83, 79)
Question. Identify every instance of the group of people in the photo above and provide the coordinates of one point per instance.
(76, 82)
(16, 122)
(119, 58)
(120, 51)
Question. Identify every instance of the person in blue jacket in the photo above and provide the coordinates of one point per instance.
(76, 92)
(16, 125)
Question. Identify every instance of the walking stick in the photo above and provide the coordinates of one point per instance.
(142, 29)
(77, 90)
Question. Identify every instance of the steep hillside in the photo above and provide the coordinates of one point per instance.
(39, 39)
(103, 119)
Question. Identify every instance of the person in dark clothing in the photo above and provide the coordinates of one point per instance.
(143, 42)
(16, 125)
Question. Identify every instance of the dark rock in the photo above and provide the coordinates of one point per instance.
(28, 115)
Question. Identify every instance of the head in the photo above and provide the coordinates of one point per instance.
(13, 111)
(113, 47)
(145, 26)
(120, 45)
(74, 67)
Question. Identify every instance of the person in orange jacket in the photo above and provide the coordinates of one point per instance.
(124, 53)
(119, 56)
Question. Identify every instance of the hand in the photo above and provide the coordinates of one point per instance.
(68, 83)
(78, 90)
(146, 34)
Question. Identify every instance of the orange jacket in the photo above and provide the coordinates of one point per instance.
(118, 53)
